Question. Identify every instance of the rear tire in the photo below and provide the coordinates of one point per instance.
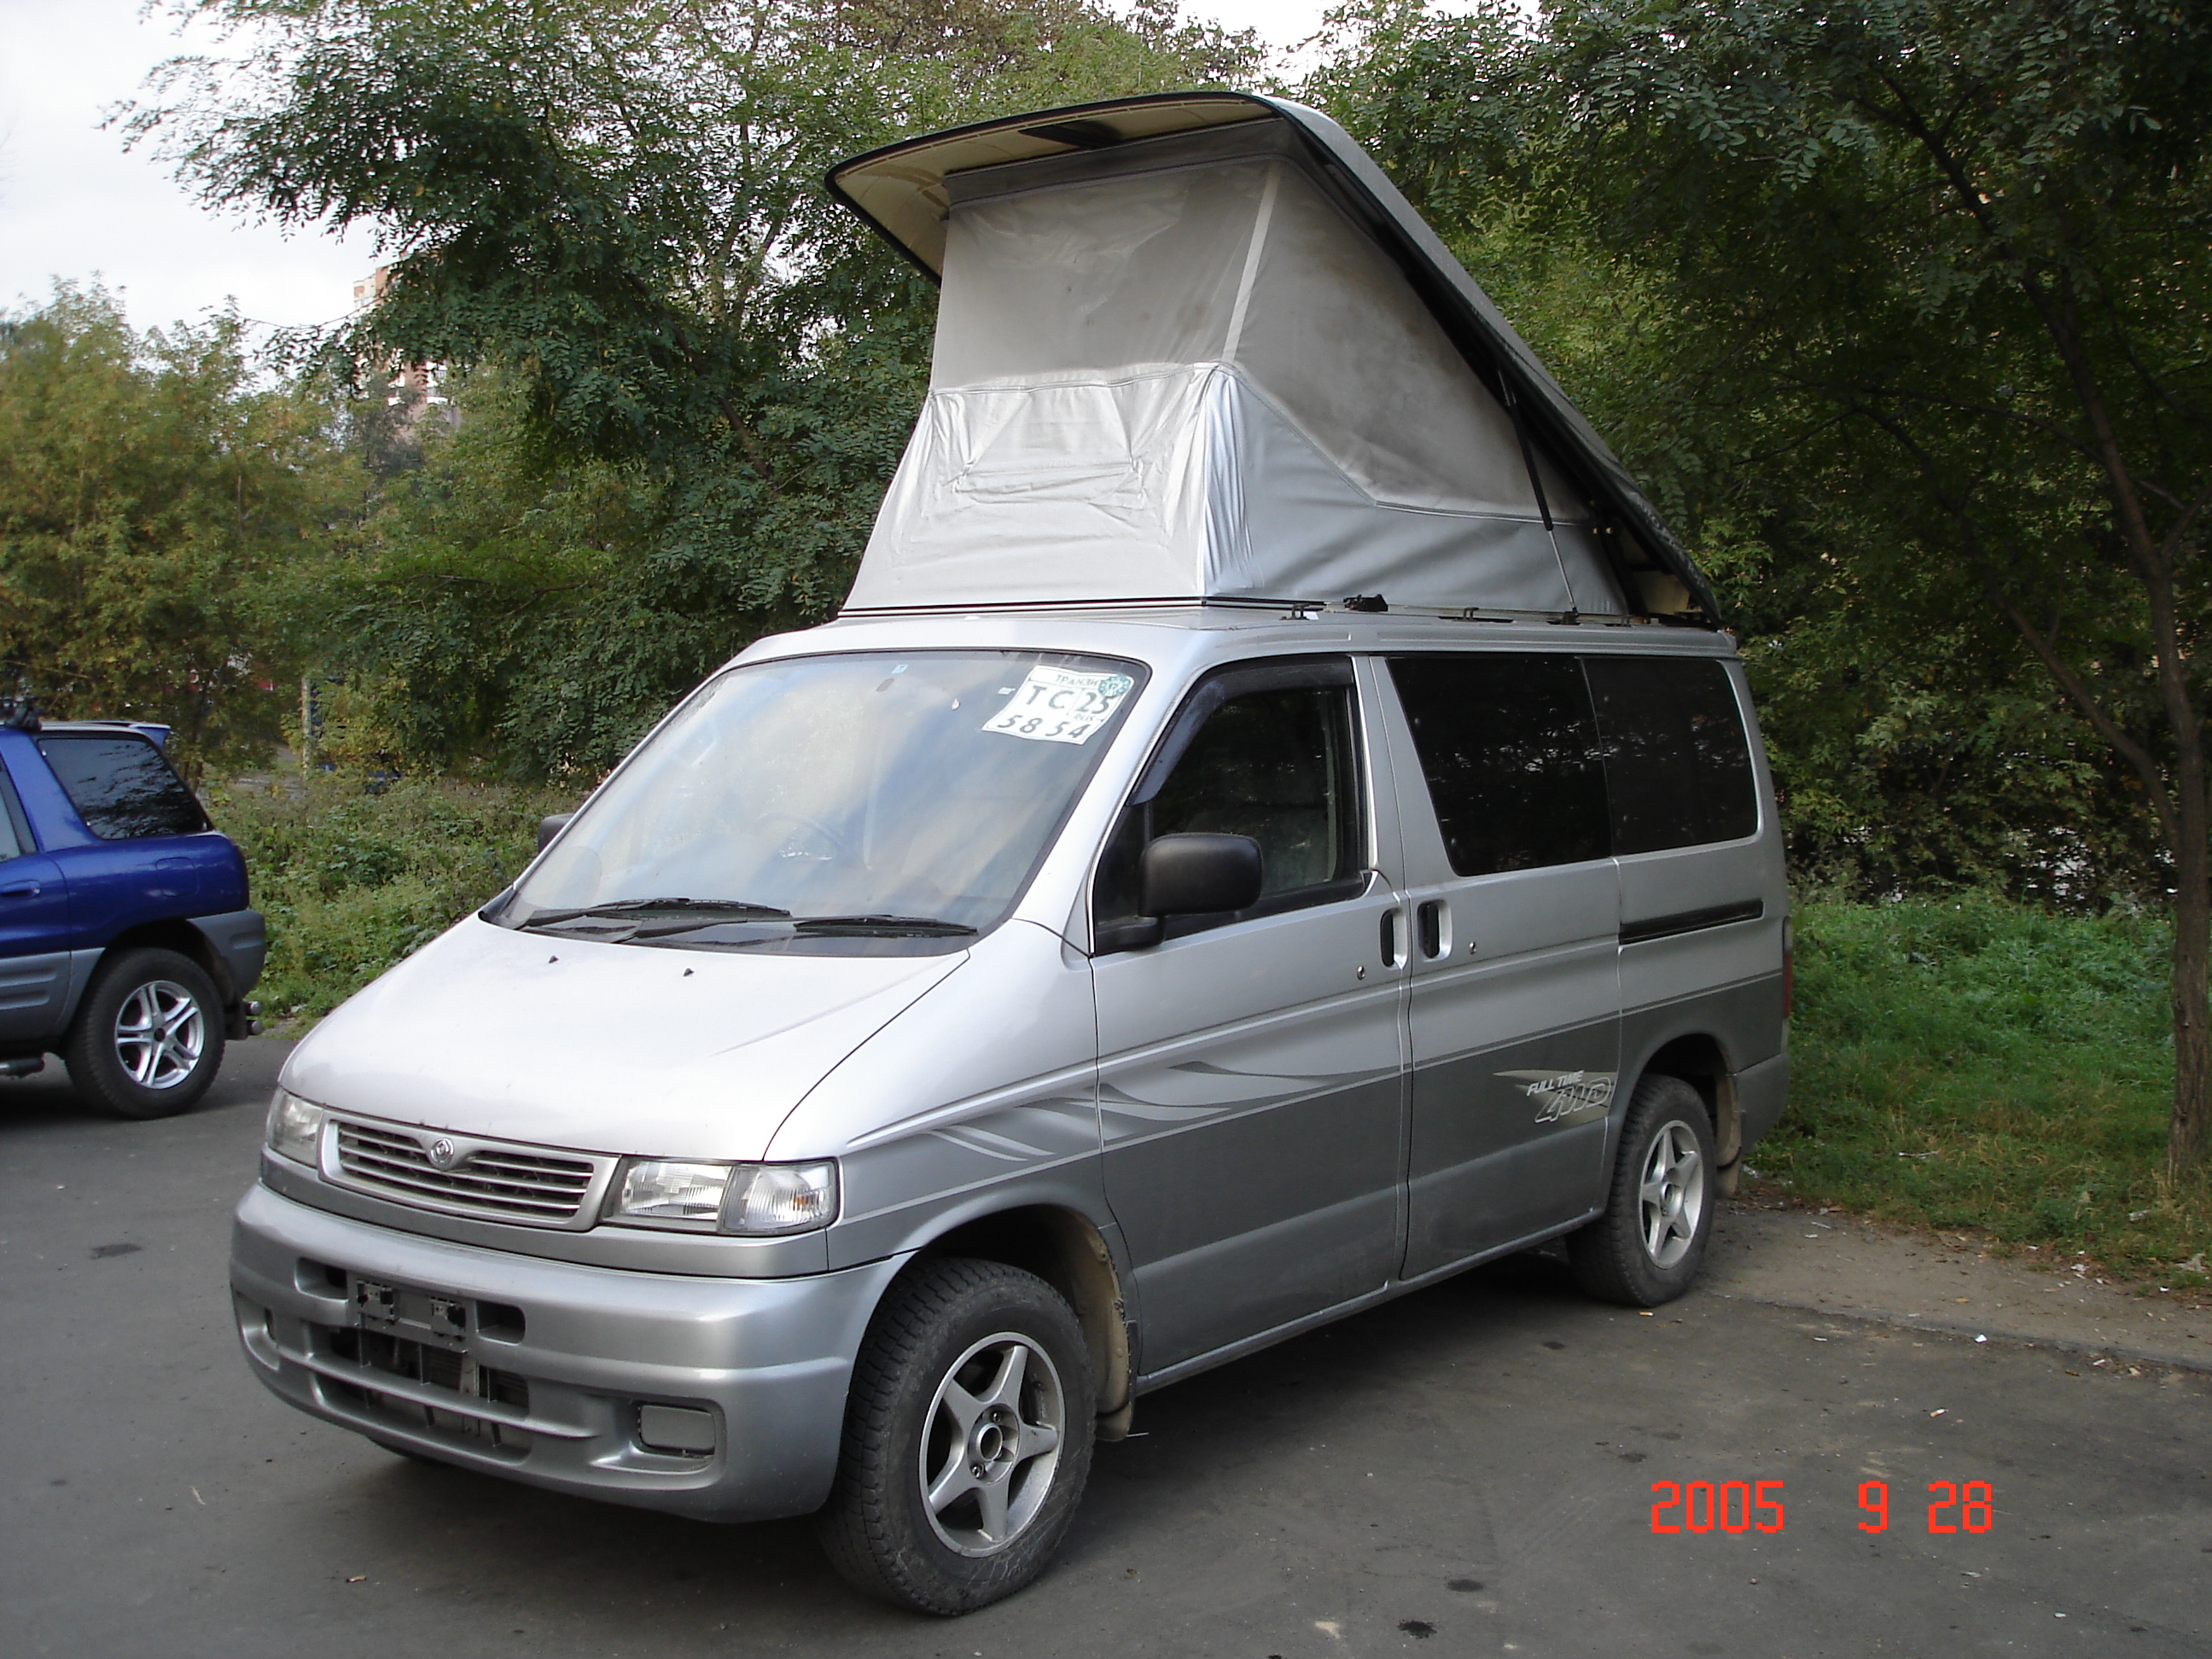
(967, 1439)
(148, 1039)
(1647, 1248)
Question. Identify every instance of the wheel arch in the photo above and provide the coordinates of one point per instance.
(1064, 1247)
(1700, 1059)
(169, 934)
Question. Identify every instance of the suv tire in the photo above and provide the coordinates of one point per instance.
(967, 1439)
(148, 1039)
(1647, 1247)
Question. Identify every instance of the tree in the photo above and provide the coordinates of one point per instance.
(155, 503)
(619, 207)
(1937, 269)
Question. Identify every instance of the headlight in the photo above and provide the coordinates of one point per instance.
(295, 1128)
(652, 1192)
(755, 1199)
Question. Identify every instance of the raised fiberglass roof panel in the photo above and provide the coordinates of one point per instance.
(1198, 346)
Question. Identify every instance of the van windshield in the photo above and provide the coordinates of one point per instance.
(827, 802)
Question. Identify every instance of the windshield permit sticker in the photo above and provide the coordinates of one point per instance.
(1060, 705)
(1564, 1096)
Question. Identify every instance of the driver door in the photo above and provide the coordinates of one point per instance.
(1252, 1064)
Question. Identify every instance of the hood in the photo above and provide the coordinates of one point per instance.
(601, 1047)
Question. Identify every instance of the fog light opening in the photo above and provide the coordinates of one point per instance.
(681, 1431)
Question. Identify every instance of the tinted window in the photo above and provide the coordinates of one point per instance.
(122, 787)
(1278, 766)
(1510, 752)
(1678, 766)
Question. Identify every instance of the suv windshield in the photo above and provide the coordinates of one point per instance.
(855, 798)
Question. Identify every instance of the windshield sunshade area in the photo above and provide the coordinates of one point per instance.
(865, 803)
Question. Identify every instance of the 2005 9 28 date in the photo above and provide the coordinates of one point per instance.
(1749, 1506)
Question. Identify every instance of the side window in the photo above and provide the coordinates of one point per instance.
(1510, 750)
(1677, 763)
(1279, 765)
(14, 833)
(123, 787)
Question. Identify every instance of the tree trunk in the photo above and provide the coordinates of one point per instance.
(2186, 1136)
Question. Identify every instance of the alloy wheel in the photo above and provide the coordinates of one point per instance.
(991, 1443)
(161, 1032)
(1672, 1195)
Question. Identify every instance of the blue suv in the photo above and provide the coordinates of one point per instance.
(126, 945)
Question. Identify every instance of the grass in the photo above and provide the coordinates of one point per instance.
(1959, 1063)
(1973, 1064)
(352, 882)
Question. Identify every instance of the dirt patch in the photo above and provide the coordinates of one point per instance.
(1831, 1262)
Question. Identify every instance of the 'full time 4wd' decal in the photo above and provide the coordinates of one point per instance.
(1565, 1097)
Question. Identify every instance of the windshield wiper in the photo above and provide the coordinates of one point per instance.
(734, 908)
(889, 927)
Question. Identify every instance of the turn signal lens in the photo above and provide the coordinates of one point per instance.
(296, 1128)
(784, 1198)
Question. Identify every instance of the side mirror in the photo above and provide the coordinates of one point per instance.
(550, 826)
(1194, 875)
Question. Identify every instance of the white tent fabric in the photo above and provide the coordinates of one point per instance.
(1173, 370)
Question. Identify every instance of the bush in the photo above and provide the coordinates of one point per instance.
(1975, 1063)
(353, 881)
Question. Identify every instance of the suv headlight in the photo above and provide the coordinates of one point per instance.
(755, 1199)
(295, 1128)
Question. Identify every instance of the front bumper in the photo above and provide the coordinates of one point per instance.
(593, 1381)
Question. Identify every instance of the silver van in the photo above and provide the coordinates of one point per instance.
(1277, 823)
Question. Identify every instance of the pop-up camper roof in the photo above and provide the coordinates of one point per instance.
(1197, 348)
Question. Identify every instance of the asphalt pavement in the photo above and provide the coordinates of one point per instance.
(1470, 1470)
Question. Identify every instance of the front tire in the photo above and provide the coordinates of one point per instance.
(1647, 1248)
(967, 1439)
(148, 1039)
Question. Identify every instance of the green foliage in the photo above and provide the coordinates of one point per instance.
(157, 509)
(491, 603)
(1839, 282)
(617, 210)
(1972, 1063)
(352, 882)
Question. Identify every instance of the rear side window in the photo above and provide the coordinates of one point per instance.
(1511, 754)
(123, 787)
(14, 843)
(1677, 763)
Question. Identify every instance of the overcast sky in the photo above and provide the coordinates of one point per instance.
(74, 205)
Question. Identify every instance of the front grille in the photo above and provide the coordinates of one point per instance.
(511, 1183)
(443, 1368)
(420, 1362)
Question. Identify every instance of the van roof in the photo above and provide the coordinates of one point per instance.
(1176, 639)
(910, 192)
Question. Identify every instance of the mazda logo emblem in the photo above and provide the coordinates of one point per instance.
(442, 1153)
